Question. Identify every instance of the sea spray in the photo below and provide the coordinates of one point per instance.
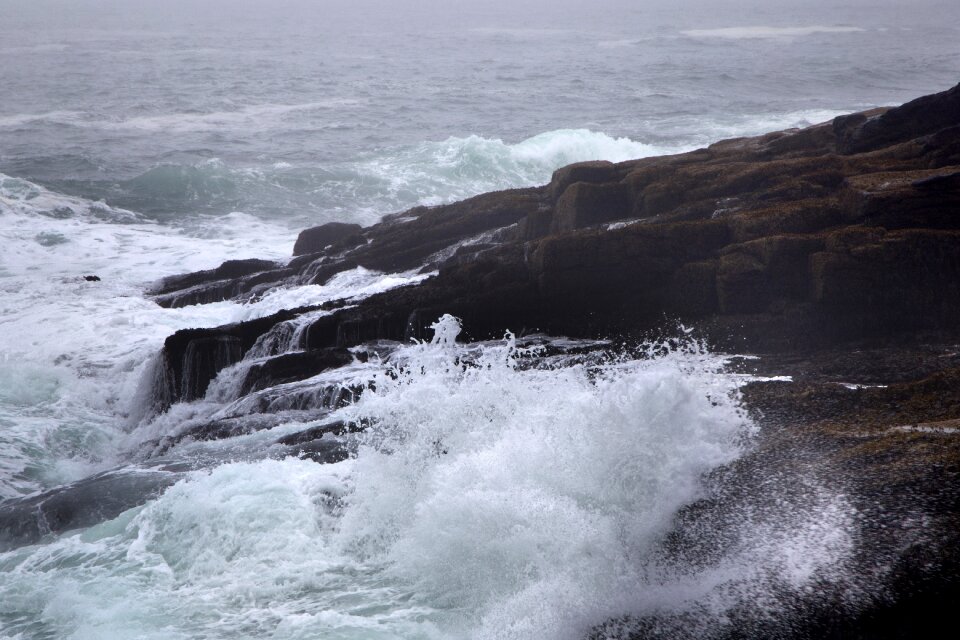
(487, 498)
(494, 494)
(308, 117)
(530, 499)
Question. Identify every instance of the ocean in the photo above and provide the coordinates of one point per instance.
(145, 139)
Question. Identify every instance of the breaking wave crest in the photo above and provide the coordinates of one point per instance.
(437, 172)
(362, 190)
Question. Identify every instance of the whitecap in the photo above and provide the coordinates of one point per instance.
(764, 32)
(20, 119)
(262, 115)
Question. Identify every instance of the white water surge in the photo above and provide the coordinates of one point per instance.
(73, 353)
(488, 500)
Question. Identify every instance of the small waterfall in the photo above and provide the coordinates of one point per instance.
(294, 396)
(227, 386)
(155, 392)
(284, 337)
(202, 359)
(279, 339)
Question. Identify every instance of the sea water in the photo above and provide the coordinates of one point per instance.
(140, 140)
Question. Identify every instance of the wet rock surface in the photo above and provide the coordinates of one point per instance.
(832, 253)
(793, 240)
(317, 239)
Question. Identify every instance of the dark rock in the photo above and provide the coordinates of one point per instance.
(754, 274)
(191, 358)
(289, 367)
(942, 148)
(397, 246)
(491, 293)
(92, 278)
(419, 238)
(537, 223)
(301, 401)
(325, 443)
(245, 288)
(233, 427)
(316, 239)
(880, 283)
(773, 242)
(584, 204)
(325, 451)
(596, 171)
(336, 428)
(904, 199)
(216, 430)
(231, 279)
(228, 270)
(623, 279)
(862, 132)
(81, 504)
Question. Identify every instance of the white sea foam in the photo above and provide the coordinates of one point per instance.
(353, 285)
(19, 119)
(764, 32)
(88, 342)
(73, 353)
(756, 124)
(260, 115)
(392, 179)
(528, 500)
(487, 501)
(93, 237)
(254, 559)
(438, 172)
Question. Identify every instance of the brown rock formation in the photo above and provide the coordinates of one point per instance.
(795, 239)
(833, 250)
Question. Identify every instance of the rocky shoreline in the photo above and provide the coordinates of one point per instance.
(833, 252)
(793, 240)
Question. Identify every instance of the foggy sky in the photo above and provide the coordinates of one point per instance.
(420, 15)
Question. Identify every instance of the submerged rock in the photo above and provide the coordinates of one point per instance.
(78, 505)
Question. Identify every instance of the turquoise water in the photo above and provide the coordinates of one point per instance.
(302, 111)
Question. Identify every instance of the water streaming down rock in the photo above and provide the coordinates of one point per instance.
(283, 337)
(203, 356)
